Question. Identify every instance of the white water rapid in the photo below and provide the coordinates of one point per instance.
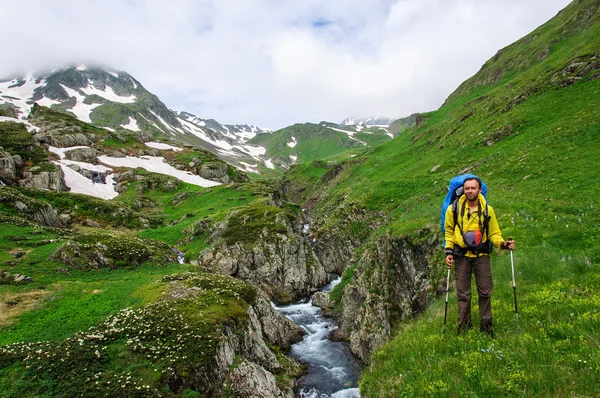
(333, 370)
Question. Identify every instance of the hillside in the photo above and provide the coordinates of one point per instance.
(303, 143)
(168, 289)
(528, 124)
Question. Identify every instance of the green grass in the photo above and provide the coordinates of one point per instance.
(555, 354)
(75, 300)
(138, 351)
(315, 142)
(184, 218)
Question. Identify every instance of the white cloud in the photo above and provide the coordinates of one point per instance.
(274, 63)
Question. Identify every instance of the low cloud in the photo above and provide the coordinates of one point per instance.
(275, 63)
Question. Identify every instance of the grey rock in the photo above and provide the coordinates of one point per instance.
(16, 279)
(250, 380)
(215, 171)
(91, 223)
(321, 300)
(18, 161)
(69, 140)
(129, 175)
(8, 167)
(87, 155)
(66, 219)
(21, 206)
(403, 278)
(285, 266)
(50, 180)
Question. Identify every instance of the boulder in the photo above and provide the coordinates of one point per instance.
(91, 223)
(8, 167)
(69, 140)
(250, 380)
(215, 171)
(321, 300)
(87, 155)
(14, 279)
(51, 180)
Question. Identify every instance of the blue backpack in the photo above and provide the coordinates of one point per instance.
(455, 191)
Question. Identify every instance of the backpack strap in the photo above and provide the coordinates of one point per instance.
(483, 224)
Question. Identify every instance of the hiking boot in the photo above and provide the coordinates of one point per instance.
(486, 327)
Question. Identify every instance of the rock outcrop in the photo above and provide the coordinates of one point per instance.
(393, 281)
(262, 245)
(30, 208)
(88, 155)
(334, 250)
(8, 167)
(243, 363)
(51, 180)
(215, 171)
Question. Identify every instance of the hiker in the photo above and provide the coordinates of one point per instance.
(468, 244)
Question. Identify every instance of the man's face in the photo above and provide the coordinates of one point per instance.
(471, 189)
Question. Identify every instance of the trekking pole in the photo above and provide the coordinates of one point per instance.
(512, 264)
(446, 310)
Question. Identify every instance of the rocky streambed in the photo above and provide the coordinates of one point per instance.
(332, 369)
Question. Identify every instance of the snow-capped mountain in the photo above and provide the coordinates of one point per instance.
(229, 142)
(367, 121)
(114, 100)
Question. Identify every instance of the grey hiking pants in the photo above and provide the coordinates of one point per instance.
(464, 268)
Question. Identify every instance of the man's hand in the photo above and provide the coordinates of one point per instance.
(509, 244)
(449, 260)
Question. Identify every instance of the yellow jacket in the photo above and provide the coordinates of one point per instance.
(470, 223)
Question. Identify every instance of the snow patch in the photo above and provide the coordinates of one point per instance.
(160, 119)
(269, 164)
(82, 111)
(47, 102)
(160, 145)
(251, 168)
(350, 134)
(80, 184)
(152, 123)
(132, 125)
(22, 93)
(254, 151)
(156, 164)
(292, 143)
(30, 127)
(109, 94)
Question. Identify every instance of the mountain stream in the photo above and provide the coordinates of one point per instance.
(333, 371)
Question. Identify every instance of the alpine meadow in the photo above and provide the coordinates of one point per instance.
(172, 287)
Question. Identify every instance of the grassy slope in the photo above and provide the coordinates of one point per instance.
(63, 301)
(314, 142)
(59, 296)
(542, 170)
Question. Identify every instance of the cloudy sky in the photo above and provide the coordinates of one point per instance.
(275, 62)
